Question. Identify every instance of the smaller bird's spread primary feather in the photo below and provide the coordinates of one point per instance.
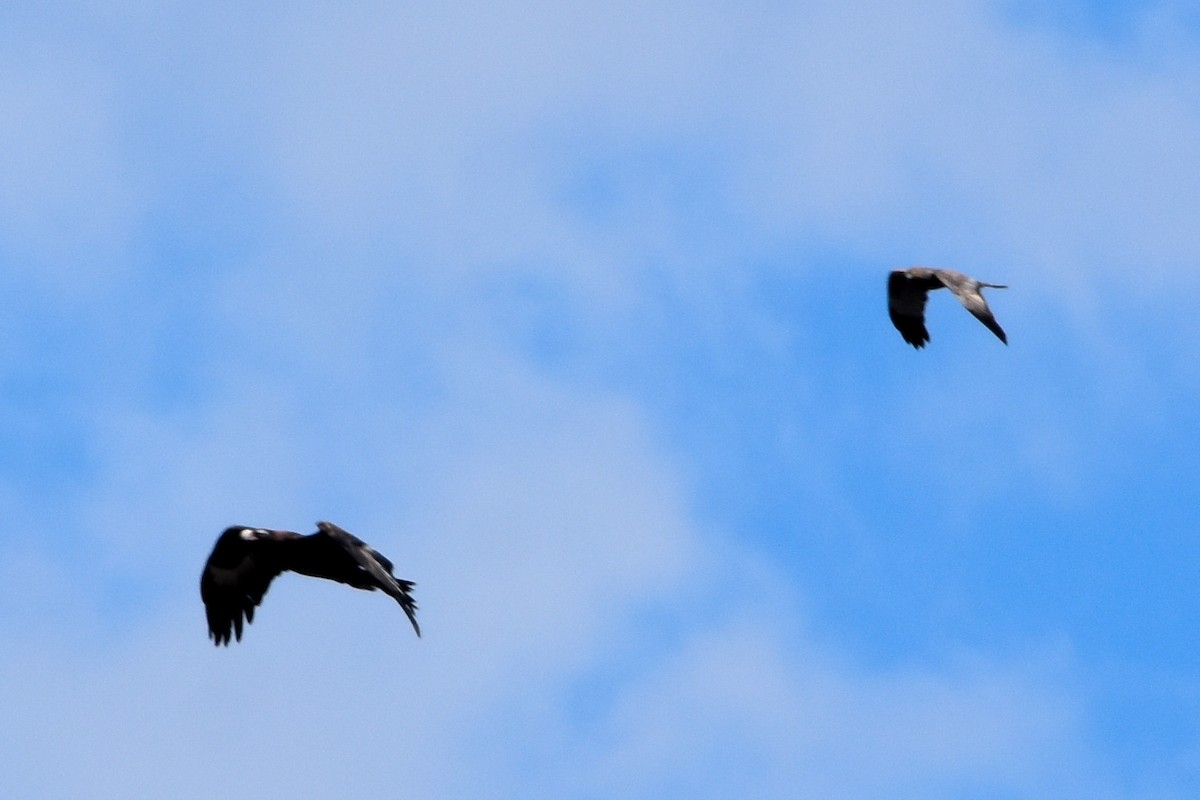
(244, 561)
(908, 290)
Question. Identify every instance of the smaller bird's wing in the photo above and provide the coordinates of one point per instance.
(235, 578)
(378, 567)
(906, 306)
(969, 294)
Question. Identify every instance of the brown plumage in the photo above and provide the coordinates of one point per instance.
(244, 561)
(908, 290)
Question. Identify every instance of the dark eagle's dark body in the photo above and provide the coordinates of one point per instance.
(244, 561)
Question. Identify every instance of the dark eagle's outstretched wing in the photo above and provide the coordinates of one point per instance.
(237, 574)
(377, 567)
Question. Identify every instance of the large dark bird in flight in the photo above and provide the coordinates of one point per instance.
(244, 561)
(908, 290)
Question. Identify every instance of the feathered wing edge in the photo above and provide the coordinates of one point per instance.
(378, 566)
(974, 301)
(232, 593)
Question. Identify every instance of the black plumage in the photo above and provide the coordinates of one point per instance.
(244, 561)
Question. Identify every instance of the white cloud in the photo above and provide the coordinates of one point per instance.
(448, 137)
(454, 137)
(744, 710)
(71, 193)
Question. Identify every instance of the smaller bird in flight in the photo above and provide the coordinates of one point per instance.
(244, 561)
(908, 290)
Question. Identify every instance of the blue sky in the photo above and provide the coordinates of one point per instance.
(578, 315)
